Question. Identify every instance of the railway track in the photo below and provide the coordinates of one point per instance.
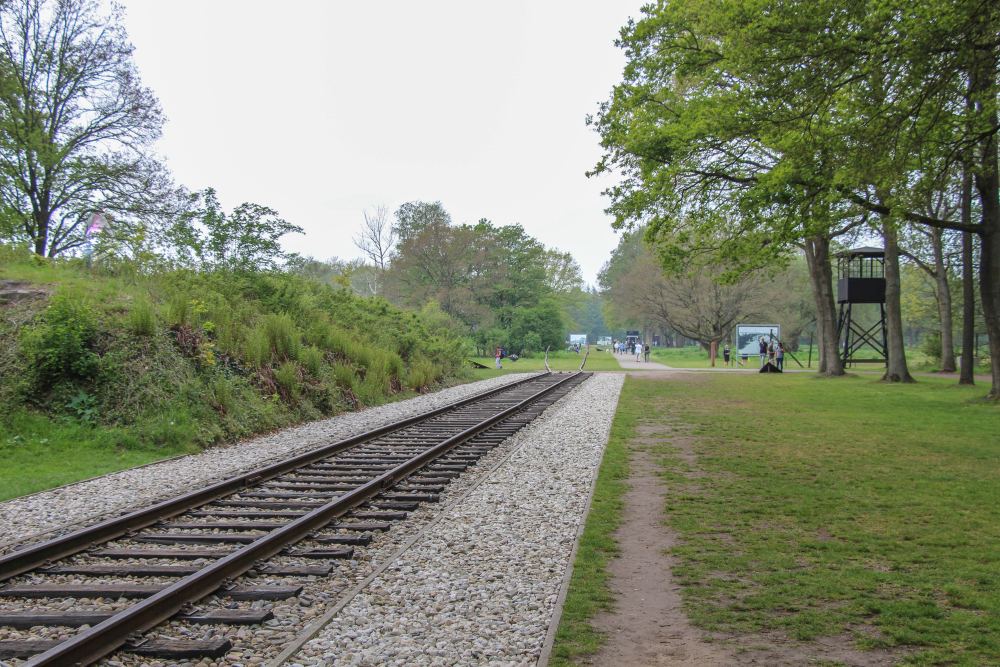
(250, 539)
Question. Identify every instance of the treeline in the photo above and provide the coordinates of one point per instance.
(494, 284)
(747, 134)
(700, 305)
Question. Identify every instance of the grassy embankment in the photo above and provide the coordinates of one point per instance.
(558, 361)
(842, 511)
(100, 372)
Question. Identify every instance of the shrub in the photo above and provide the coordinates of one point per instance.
(286, 376)
(312, 360)
(422, 374)
(222, 396)
(60, 347)
(177, 309)
(257, 348)
(142, 318)
(932, 346)
(344, 376)
(283, 336)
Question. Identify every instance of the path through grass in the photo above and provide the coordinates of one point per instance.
(844, 510)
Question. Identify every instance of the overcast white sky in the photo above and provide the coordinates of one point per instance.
(322, 109)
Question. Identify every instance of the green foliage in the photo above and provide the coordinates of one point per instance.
(142, 318)
(312, 360)
(479, 275)
(283, 335)
(239, 353)
(422, 374)
(344, 376)
(257, 347)
(533, 329)
(247, 239)
(286, 376)
(76, 127)
(932, 345)
(60, 347)
(84, 407)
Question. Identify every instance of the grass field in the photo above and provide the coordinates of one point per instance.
(40, 454)
(558, 361)
(837, 510)
(696, 357)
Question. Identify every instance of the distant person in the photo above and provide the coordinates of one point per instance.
(725, 355)
(645, 350)
(779, 356)
(762, 350)
(638, 351)
(499, 356)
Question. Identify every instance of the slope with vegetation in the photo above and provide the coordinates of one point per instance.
(101, 369)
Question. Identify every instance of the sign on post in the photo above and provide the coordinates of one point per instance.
(748, 337)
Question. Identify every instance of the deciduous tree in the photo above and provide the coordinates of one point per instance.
(76, 124)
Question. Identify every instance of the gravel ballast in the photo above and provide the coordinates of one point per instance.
(83, 503)
(479, 585)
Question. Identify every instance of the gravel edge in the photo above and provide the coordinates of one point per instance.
(383, 616)
(71, 506)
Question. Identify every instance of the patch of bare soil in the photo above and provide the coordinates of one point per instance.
(648, 625)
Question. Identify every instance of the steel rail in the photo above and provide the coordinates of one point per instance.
(105, 637)
(36, 555)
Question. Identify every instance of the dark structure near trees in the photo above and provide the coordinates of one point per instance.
(861, 280)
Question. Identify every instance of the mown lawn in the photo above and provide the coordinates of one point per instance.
(39, 453)
(558, 361)
(841, 510)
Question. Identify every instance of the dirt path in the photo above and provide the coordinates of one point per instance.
(628, 362)
(648, 625)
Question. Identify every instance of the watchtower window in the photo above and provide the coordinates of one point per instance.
(854, 264)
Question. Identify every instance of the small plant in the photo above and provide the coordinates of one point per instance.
(223, 399)
(283, 336)
(312, 359)
(344, 376)
(83, 406)
(257, 348)
(286, 376)
(422, 374)
(60, 347)
(177, 309)
(142, 318)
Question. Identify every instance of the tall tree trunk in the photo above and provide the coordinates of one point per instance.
(944, 303)
(41, 233)
(895, 368)
(967, 371)
(982, 89)
(821, 276)
(983, 100)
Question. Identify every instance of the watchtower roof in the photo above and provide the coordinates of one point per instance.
(863, 251)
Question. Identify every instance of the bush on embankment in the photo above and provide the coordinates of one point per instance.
(182, 359)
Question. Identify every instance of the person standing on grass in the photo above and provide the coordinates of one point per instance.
(645, 350)
(725, 355)
(762, 349)
(499, 355)
(779, 357)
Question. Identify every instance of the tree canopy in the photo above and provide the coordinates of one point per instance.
(76, 125)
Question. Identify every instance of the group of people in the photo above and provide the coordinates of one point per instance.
(770, 351)
(637, 348)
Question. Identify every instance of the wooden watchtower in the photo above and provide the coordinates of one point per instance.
(861, 280)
